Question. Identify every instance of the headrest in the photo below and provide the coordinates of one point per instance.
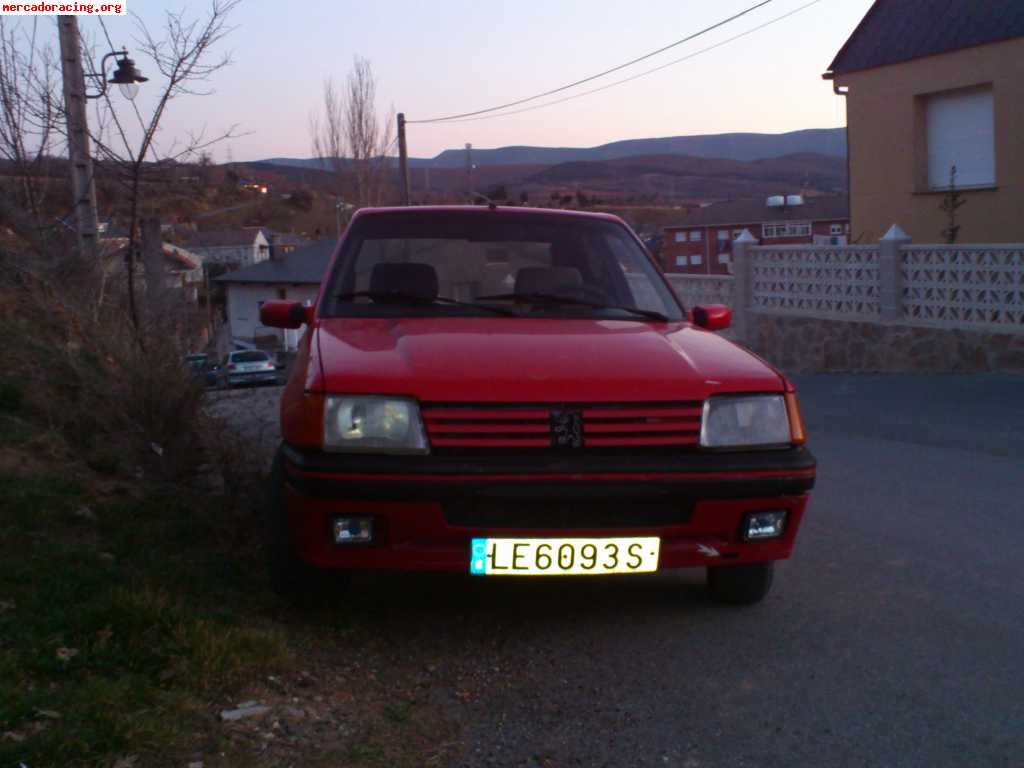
(408, 279)
(557, 281)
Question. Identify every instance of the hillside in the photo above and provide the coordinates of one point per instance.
(669, 178)
(729, 146)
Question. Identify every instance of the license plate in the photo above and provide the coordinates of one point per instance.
(563, 557)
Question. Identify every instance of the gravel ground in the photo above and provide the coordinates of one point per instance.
(252, 412)
(892, 638)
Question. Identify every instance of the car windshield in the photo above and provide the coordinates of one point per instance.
(494, 263)
(249, 357)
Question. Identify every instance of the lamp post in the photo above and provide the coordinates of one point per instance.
(127, 77)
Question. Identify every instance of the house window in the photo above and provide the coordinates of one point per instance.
(959, 132)
(681, 261)
(786, 229)
(695, 236)
(680, 237)
(723, 234)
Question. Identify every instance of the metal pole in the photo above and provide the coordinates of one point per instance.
(79, 155)
(403, 159)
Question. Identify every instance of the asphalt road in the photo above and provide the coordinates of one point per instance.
(894, 637)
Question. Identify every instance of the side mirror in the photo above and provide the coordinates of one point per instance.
(713, 317)
(284, 314)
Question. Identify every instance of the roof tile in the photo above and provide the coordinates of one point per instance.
(899, 30)
(741, 212)
(303, 265)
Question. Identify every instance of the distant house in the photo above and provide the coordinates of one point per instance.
(293, 276)
(183, 270)
(929, 86)
(283, 242)
(702, 243)
(231, 248)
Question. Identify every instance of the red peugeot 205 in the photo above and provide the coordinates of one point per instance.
(517, 392)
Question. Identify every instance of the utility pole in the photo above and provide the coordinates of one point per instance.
(469, 172)
(79, 154)
(403, 159)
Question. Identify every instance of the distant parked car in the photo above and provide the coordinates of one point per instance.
(202, 368)
(248, 366)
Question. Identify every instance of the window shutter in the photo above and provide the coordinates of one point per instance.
(960, 133)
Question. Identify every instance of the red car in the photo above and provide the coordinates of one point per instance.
(517, 392)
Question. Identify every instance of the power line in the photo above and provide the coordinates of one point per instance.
(598, 75)
(641, 74)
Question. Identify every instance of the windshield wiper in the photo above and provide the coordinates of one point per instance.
(550, 298)
(397, 297)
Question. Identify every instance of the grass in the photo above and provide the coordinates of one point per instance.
(118, 621)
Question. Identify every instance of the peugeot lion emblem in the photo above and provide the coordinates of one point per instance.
(566, 429)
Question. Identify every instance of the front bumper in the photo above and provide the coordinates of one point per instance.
(426, 510)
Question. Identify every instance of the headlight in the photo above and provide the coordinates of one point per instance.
(744, 420)
(374, 425)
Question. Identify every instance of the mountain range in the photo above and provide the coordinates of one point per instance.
(744, 147)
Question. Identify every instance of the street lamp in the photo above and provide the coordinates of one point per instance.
(126, 76)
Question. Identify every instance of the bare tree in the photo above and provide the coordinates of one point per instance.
(29, 119)
(368, 141)
(328, 134)
(185, 60)
(349, 137)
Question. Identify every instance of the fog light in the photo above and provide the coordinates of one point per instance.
(764, 525)
(353, 530)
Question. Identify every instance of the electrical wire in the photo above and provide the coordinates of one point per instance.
(594, 77)
(640, 74)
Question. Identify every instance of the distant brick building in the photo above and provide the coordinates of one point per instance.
(702, 243)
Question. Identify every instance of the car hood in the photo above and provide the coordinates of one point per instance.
(534, 360)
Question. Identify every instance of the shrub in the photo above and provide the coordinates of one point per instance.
(11, 396)
(119, 395)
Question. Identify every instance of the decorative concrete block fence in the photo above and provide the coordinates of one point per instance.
(890, 306)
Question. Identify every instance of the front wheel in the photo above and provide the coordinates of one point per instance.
(740, 584)
(290, 576)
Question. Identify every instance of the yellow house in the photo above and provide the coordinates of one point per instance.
(933, 85)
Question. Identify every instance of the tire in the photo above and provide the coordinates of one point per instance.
(740, 584)
(290, 576)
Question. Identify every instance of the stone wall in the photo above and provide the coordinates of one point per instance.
(812, 344)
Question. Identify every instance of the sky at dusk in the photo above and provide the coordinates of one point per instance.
(451, 56)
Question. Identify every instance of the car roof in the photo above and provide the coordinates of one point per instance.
(488, 210)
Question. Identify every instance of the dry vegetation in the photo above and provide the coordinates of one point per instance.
(134, 605)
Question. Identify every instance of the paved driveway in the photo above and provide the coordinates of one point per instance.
(895, 637)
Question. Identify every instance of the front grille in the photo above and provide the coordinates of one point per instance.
(533, 426)
(566, 514)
